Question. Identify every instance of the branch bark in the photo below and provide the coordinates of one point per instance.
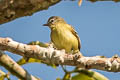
(14, 68)
(12, 9)
(50, 55)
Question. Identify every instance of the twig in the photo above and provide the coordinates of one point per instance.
(14, 68)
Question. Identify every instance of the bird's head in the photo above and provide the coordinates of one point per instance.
(54, 20)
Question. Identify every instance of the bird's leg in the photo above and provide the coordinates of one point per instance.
(78, 53)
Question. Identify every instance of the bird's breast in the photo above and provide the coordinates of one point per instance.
(63, 39)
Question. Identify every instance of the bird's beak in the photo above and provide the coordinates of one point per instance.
(45, 24)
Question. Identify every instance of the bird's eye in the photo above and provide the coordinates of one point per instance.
(52, 20)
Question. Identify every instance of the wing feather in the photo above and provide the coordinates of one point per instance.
(76, 35)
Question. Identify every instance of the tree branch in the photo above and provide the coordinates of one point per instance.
(14, 68)
(12, 9)
(50, 55)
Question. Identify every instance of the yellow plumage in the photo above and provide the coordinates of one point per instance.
(63, 35)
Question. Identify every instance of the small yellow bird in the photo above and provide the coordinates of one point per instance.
(63, 35)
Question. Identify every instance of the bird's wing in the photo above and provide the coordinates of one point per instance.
(76, 35)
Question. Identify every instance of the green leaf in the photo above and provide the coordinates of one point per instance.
(41, 44)
(30, 60)
(88, 75)
(67, 76)
(58, 78)
(81, 76)
(3, 75)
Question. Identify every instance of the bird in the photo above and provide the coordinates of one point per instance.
(63, 35)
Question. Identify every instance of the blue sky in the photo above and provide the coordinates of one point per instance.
(97, 24)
